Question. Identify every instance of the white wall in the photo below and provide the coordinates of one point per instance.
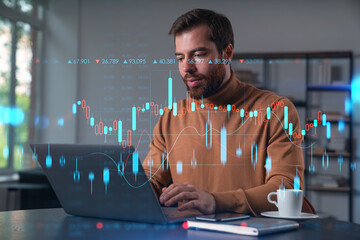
(94, 29)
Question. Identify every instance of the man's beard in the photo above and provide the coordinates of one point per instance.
(209, 84)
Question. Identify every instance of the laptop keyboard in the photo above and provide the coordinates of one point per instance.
(173, 213)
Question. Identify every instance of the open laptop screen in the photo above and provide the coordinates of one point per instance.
(105, 181)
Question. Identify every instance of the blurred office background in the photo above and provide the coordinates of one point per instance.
(307, 50)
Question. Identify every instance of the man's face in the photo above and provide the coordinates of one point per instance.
(194, 50)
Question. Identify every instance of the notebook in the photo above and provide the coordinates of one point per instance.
(252, 227)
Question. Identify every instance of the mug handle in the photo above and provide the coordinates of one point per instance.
(271, 201)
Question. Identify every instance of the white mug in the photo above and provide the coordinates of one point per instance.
(289, 202)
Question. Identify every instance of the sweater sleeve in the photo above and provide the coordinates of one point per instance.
(286, 162)
(158, 173)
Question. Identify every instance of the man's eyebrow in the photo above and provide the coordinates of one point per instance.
(199, 49)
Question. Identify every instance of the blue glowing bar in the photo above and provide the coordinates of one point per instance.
(328, 130)
(208, 145)
(238, 151)
(92, 121)
(147, 106)
(355, 89)
(9, 116)
(268, 164)
(74, 108)
(13, 115)
(135, 163)
(170, 92)
(325, 156)
(315, 123)
(179, 167)
(105, 130)
(119, 131)
(303, 132)
(76, 172)
(296, 183)
(290, 129)
(161, 111)
(353, 166)
(254, 161)
(251, 114)
(255, 113)
(175, 109)
(340, 161)
(6, 151)
(48, 161)
(324, 119)
(16, 116)
(286, 121)
(202, 105)
(347, 106)
(106, 177)
(256, 155)
(341, 125)
(242, 113)
(2, 113)
(223, 146)
(193, 106)
(91, 178)
(162, 160)
(268, 113)
(228, 107)
(134, 118)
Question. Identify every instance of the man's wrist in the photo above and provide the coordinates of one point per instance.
(213, 209)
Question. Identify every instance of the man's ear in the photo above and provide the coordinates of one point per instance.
(228, 52)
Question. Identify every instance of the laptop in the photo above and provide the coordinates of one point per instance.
(103, 181)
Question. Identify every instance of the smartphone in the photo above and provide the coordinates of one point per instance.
(222, 217)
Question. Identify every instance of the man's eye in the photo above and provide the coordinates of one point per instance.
(180, 59)
(198, 55)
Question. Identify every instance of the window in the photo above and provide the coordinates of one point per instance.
(20, 38)
(5, 66)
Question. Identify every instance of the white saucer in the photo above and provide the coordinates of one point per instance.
(275, 214)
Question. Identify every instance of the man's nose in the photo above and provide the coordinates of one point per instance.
(189, 65)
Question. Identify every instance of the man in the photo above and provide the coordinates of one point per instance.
(224, 155)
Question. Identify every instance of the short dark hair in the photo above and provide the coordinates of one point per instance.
(221, 32)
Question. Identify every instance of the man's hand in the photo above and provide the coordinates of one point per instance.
(190, 196)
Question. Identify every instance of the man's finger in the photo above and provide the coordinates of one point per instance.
(175, 191)
(181, 197)
(172, 186)
(166, 189)
(190, 205)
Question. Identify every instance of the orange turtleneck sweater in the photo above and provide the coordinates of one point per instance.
(228, 147)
